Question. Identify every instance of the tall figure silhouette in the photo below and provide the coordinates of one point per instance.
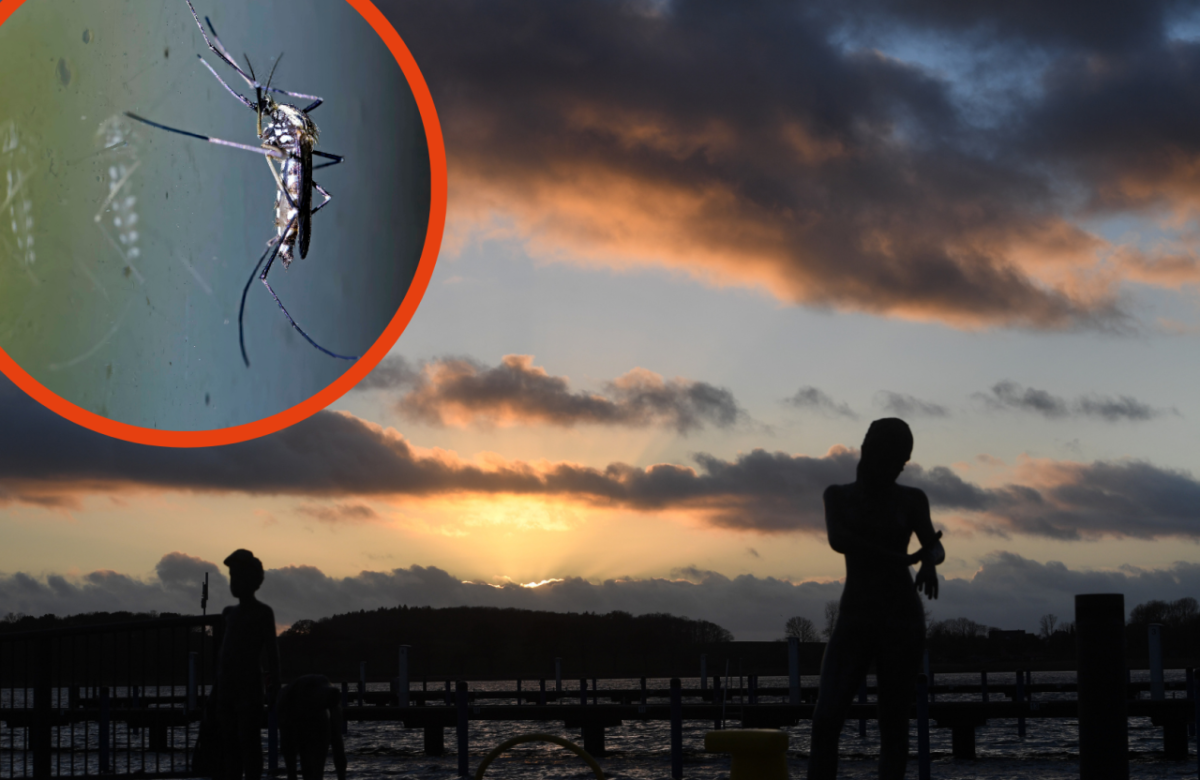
(248, 649)
(880, 618)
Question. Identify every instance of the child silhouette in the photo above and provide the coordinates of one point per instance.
(249, 642)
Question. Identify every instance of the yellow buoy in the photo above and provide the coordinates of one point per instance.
(758, 754)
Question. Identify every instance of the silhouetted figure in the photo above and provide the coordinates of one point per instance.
(249, 644)
(310, 719)
(880, 617)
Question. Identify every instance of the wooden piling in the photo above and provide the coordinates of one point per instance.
(1157, 689)
(1103, 728)
(463, 765)
(193, 658)
(542, 693)
(862, 699)
(362, 683)
(402, 682)
(676, 730)
(794, 670)
(105, 765)
(345, 699)
(558, 675)
(1020, 697)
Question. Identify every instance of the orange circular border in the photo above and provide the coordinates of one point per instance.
(363, 366)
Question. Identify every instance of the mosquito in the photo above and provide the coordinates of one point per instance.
(288, 136)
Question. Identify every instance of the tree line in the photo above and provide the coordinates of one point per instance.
(962, 640)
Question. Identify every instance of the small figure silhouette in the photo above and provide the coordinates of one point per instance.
(310, 719)
(880, 617)
(249, 643)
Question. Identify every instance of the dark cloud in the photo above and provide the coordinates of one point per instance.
(904, 405)
(462, 391)
(814, 399)
(1007, 591)
(175, 587)
(832, 175)
(339, 458)
(1010, 396)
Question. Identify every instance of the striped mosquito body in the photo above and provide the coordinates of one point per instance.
(292, 131)
(288, 137)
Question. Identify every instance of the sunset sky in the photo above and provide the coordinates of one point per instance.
(693, 249)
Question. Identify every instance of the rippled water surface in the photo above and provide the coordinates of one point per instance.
(640, 750)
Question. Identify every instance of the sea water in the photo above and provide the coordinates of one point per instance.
(640, 750)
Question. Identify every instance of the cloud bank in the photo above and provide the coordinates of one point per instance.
(338, 458)
(1010, 396)
(1007, 591)
(464, 392)
(820, 169)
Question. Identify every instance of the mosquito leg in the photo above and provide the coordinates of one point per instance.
(219, 50)
(300, 329)
(228, 88)
(216, 45)
(337, 158)
(263, 278)
(272, 249)
(328, 198)
(269, 152)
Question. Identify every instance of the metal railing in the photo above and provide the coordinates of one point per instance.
(109, 699)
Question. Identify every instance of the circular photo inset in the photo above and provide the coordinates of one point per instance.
(215, 216)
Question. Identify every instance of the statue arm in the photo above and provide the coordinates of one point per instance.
(931, 551)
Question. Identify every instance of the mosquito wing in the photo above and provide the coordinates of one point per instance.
(305, 204)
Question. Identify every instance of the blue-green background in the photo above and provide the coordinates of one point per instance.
(161, 350)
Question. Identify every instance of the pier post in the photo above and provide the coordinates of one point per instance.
(595, 692)
(752, 682)
(542, 694)
(1157, 689)
(1196, 715)
(449, 697)
(402, 684)
(983, 685)
(193, 657)
(718, 698)
(1103, 728)
(862, 699)
(463, 766)
(793, 670)
(39, 735)
(643, 690)
(1190, 682)
(703, 672)
(558, 675)
(362, 683)
(105, 766)
(583, 691)
(518, 692)
(923, 762)
(345, 699)
(676, 730)
(1020, 697)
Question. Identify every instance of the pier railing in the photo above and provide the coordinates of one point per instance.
(118, 698)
